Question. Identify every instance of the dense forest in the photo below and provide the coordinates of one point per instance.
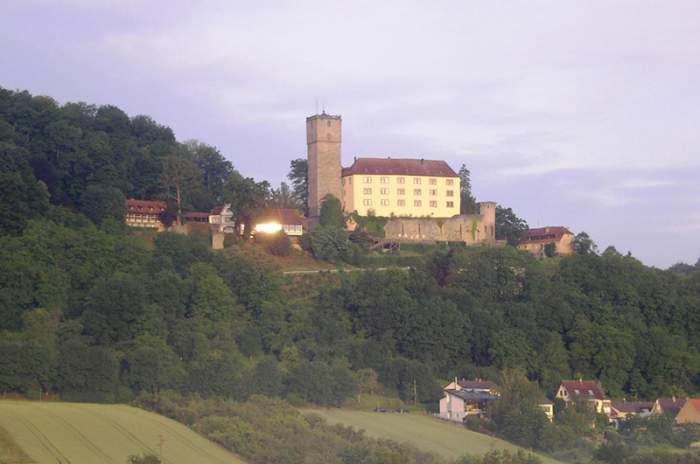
(91, 311)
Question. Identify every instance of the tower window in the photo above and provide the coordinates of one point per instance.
(328, 123)
(367, 191)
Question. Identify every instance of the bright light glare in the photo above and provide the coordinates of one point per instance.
(268, 228)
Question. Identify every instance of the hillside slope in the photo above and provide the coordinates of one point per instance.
(423, 432)
(90, 433)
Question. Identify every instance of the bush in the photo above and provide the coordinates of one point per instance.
(277, 244)
(330, 244)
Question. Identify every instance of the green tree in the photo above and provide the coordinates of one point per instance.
(151, 365)
(22, 196)
(584, 244)
(331, 214)
(180, 178)
(509, 226)
(467, 200)
(299, 177)
(100, 202)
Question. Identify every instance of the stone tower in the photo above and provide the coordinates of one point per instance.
(323, 138)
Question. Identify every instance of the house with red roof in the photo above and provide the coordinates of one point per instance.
(623, 410)
(286, 220)
(668, 406)
(690, 412)
(589, 391)
(535, 240)
(466, 398)
(145, 213)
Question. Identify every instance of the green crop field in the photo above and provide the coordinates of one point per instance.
(52, 433)
(423, 432)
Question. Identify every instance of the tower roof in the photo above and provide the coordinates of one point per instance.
(323, 115)
(398, 166)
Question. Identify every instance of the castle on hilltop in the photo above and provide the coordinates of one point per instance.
(422, 197)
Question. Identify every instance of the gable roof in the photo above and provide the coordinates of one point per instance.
(671, 405)
(471, 396)
(399, 166)
(145, 206)
(694, 402)
(477, 384)
(632, 407)
(544, 234)
(284, 216)
(584, 389)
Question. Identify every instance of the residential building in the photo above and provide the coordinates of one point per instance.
(195, 218)
(401, 187)
(668, 406)
(467, 398)
(145, 213)
(547, 407)
(623, 410)
(535, 240)
(222, 220)
(690, 412)
(289, 221)
(585, 390)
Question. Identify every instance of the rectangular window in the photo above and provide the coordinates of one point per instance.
(367, 202)
(401, 191)
(449, 181)
(400, 180)
(384, 191)
(433, 204)
(400, 202)
(450, 193)
(433, 192)
(433, 181)
(367, 191)
(417, 192)
(384, 180)
(385, 202)
(367, 180)
(417, 203)
(450, 204)
(417, 180)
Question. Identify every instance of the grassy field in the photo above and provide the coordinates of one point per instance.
(423, 432)
(51, 433)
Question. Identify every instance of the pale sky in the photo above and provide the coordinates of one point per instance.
(577, 113)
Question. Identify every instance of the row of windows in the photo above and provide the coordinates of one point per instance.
(400, 191)
(402, 180)
(416, 203)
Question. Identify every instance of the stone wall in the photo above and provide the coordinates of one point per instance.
(471, 229)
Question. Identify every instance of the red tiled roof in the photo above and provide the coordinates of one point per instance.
(544, 235)
(634, 407)
(671, 405)
(145, 206)
(694, 402)
(406, 167)
(195, 215)
(287, 217)
(477, 384)
(587, 389)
